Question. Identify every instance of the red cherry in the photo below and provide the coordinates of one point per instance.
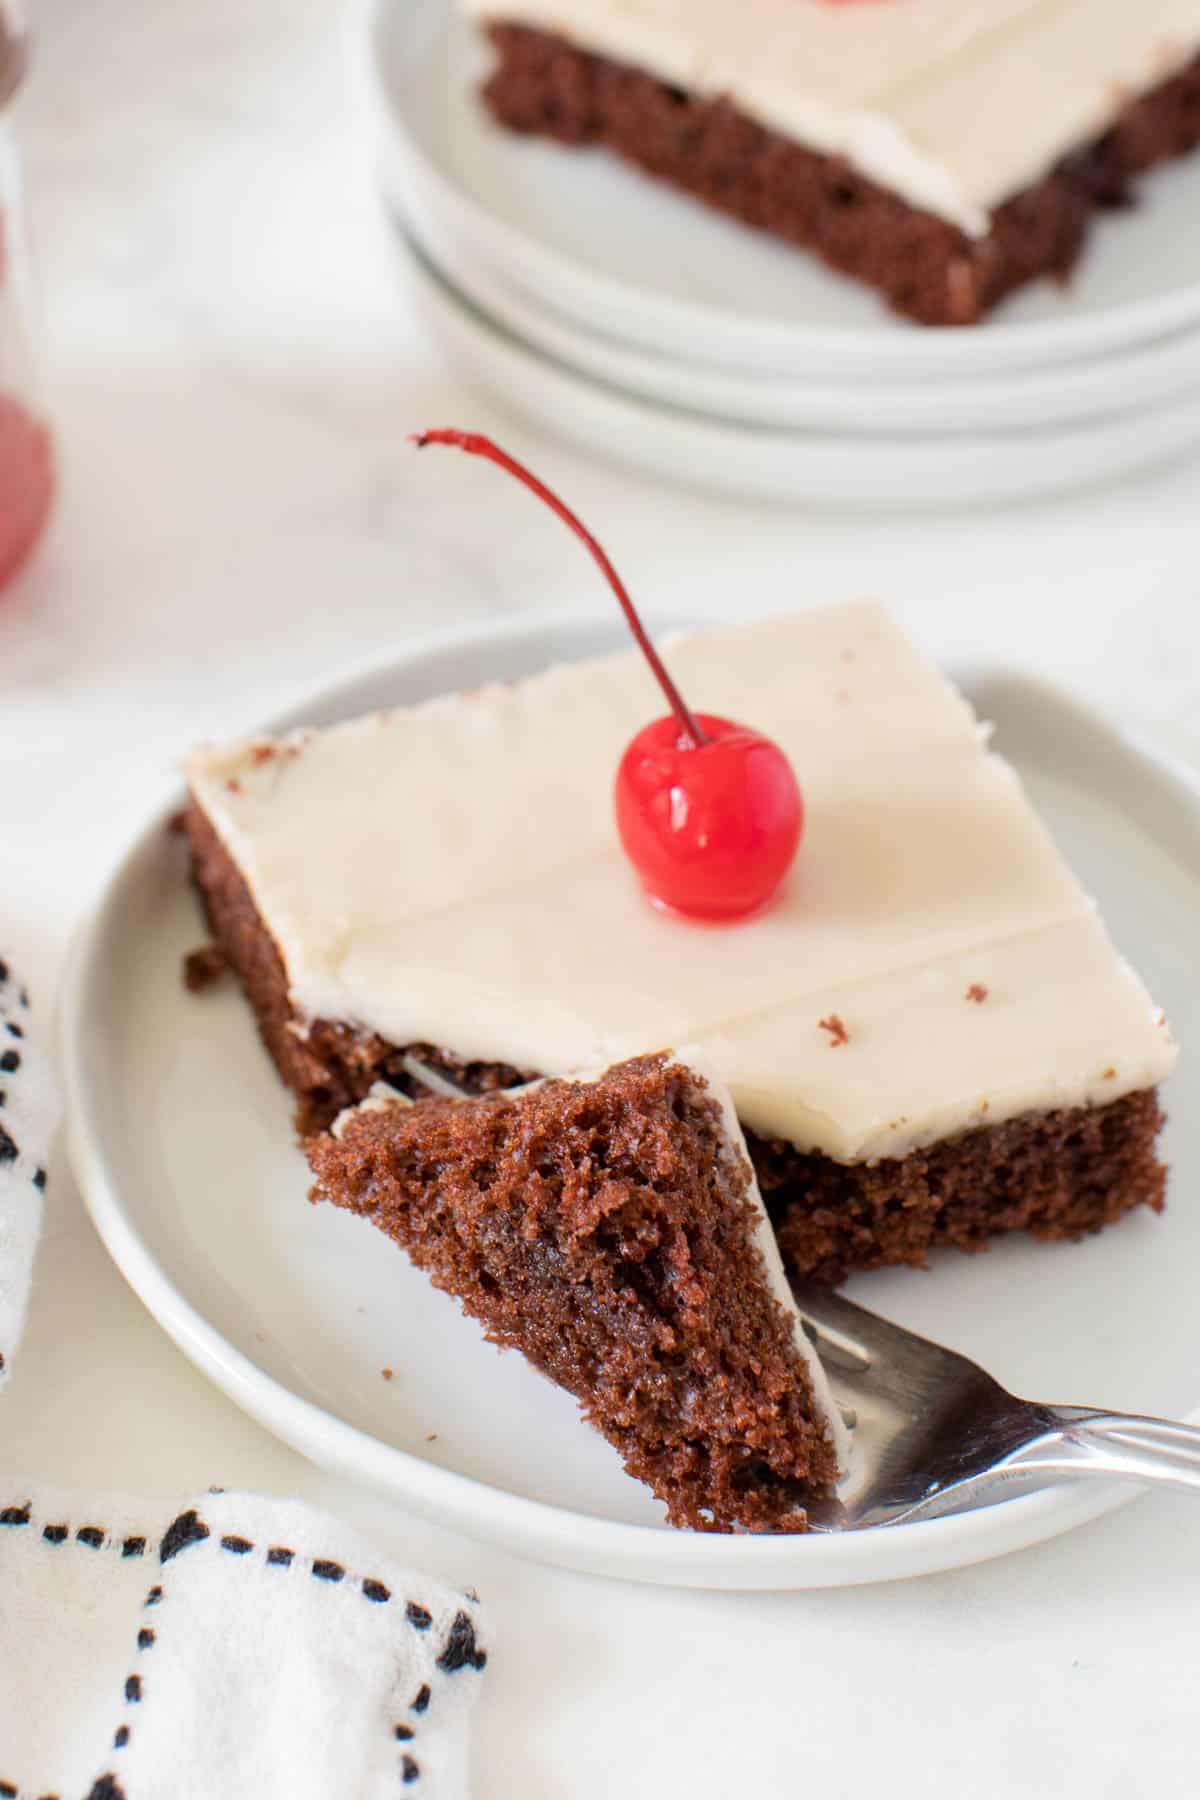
(708, 812)
(710, 829)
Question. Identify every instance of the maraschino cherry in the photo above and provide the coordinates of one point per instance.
(709, 811)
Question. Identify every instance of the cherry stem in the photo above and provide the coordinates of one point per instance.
(475, 444)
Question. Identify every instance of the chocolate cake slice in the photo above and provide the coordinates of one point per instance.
(610, 1228)
(929, 1036)
(945, 154)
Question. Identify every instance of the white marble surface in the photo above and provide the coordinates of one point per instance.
(234, 365)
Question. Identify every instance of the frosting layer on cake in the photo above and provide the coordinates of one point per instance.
(954, 105)
(450, 874)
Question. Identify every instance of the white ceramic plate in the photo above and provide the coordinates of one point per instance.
(820, 468)
(625, 256)
(1162, 370)
(179, 1134)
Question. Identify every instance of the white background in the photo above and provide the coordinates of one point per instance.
(233, 367)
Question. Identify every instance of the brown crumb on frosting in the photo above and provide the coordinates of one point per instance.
(202, 967)
(976, 992)
(262, 753)
(1110, 1074)
(834, 1025)
(387, 1373)
(234, 785)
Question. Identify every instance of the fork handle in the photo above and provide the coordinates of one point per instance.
(1072, 1441)
(1115, 1445)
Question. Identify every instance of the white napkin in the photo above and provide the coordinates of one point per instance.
(231, 1648)
(28, 1115)
(221, 1648)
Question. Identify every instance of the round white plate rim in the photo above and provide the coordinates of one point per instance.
(530, 1527)
(828, 469)
(662, 322)
(1163, 370)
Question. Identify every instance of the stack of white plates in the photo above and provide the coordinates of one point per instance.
(636, 323)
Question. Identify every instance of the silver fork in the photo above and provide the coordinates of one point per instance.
(932, 1433)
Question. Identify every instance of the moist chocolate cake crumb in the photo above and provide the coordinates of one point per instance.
(923, 266)
(605, 1229)
(203, 967)
(1057, 1175)
(976, 992)
(837, 1031)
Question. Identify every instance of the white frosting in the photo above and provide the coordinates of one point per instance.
(954, 105)
(695, 1058)
(449, 873)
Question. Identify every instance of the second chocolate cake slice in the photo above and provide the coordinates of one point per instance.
(610, 1228)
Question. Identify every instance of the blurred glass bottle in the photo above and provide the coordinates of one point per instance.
(26, 447)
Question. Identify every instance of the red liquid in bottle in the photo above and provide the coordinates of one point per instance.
(26, 448)
(26, 484)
